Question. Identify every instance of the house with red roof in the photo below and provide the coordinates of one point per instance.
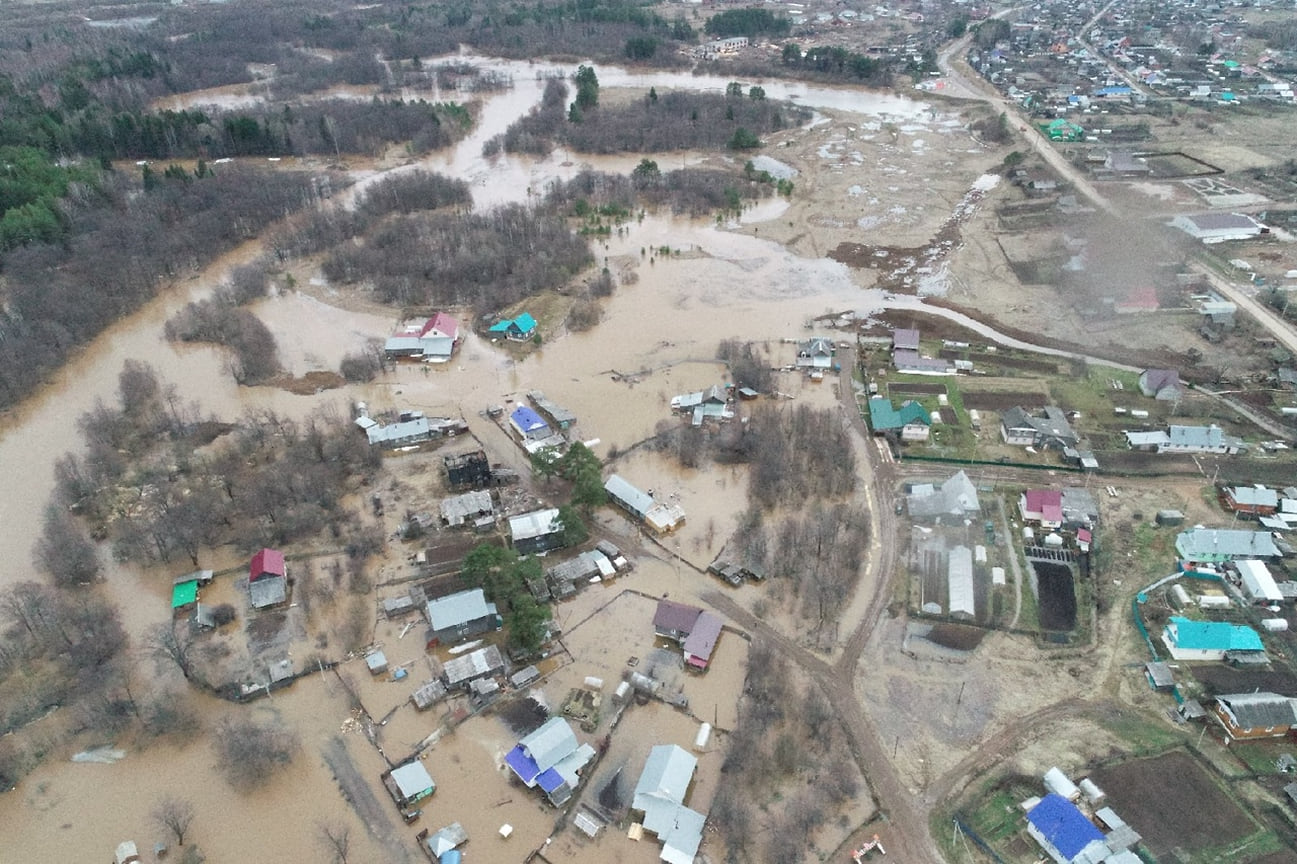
(1043, 507)
(433, 339)
(267, 579)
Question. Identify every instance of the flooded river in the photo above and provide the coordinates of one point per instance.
(659, 335)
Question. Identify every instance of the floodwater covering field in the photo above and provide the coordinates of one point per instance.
(660, 334)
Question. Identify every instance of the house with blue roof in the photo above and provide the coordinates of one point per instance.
(1065, 833)
(518, 329)
(550, 758)
(1208, 640)
(911, 421)
(529, 425)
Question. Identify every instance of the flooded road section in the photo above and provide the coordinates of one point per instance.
(658, 338)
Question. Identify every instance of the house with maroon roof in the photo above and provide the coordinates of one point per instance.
(267, 579)
(700, 643)
(432, 338)
(675, 621)
(1043, 507)
(1161, 384)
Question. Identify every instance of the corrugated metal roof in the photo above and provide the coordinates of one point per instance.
(550, 743)
(1220, 544)
(483, 661)
(702, 639)
(412, 780)
(1213, 636)
(537, 523)
(455, 609)
(628, 495)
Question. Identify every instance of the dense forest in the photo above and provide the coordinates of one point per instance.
(674, 120)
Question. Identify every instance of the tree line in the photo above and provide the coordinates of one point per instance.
(675, 120)
(122, 246)
(786, 746)
(484, 260)
(221, 320)
(153, 484)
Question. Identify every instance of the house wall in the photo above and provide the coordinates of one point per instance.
(467, 630)
(1019, 437)
(536, 545)
(1240, 734)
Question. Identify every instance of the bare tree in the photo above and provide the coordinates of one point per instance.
(64, 551)
(250, 751)
(336, 840)
(165, 644)
(174, 814)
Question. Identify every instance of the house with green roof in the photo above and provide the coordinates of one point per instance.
(518, 329)
(1062, 130)
(911, 422)
(1187, 639)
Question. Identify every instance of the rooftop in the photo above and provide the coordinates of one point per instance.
(459, 608)
(1213, 635)
(1063, 825)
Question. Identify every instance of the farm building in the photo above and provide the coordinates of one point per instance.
(518, 329)
(905, 339)
(433, 338)
(911, 421)
(267, 579)
(460, 616)
(703, 404)
(1257, 581)
(1186, 439)
(471, 468)
(1255, 715)
(1217, 227)
(1065, 833)
(409, 784)
(410, 428)
(428, 694)
(662, 518)
(700, 643)
(1159, 676)
(468, 507)
(1022, 429)
(1208, 640)
(1043, 507)
(463, 670)
(529, 425)
(916, 364)
(815, 354)
(1218, 545)
(559, 417)
(1079, 508)
(446, 840)
(955, 497)
(674, 620)
(1254, 500)
(550, 758)
(536, 532)
(1161, 384)
(960, 578)
(660, 795)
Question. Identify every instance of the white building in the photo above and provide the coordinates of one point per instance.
(1218, 227)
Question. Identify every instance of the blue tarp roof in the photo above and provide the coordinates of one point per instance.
(549, 781)
(526, 419)
(1064, 826)
(1214, 636)
(523, 765)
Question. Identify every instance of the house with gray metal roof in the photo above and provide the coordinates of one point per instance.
(460, 616)
(1218, 545)
(662, 518)
(1255, 715)
(1161, 384)
(559, 417)
(536, 532)
(463, 670)
(660, 795)
(956, 497)
(470, 506)
(1019, 427)
(959, 576)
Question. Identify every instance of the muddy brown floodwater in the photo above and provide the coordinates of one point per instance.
(659, 335)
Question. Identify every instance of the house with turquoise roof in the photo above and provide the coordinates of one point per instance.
(518, 329)
(1187, 639)
(911, 421)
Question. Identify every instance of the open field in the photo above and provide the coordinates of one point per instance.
(1175, 804)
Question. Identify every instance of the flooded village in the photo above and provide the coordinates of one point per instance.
(823, 527)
